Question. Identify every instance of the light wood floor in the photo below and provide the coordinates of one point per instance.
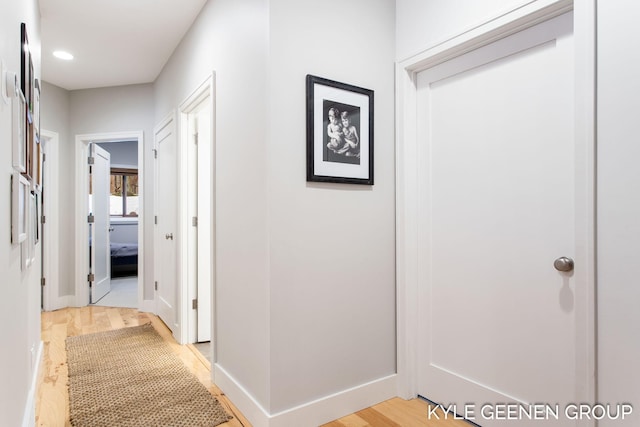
(52, 405)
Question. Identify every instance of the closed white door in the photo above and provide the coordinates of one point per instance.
(498, 207)
(165, 253)
(99, 229)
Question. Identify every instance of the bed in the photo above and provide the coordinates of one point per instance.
(124, 259)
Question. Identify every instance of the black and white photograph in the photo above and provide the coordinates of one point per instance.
(342, 140)
(339, 132)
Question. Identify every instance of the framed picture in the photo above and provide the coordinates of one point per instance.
(27, 87)
(20, 195)
(339, 132)
(36, 108)
(37, 199)
(19, 132)
(26, 65)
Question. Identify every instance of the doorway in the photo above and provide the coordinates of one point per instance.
(496, 207)
(82, 215)
(50, 224)
(121, 194)
(197, 215)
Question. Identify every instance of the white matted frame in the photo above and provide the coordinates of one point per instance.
(81, 210)
(19, 131)
(407, 177)
(19, 208)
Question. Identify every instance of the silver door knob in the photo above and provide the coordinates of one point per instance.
(563, 264)
(168, 236)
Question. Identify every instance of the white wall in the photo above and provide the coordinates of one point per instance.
(618, 206)
(124, 231)
(422, 24)
(305, 295)
(19, 290)
(331, 246)
(124, 154)
(231, 38)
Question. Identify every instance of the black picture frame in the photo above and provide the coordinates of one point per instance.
(339, 132)
(27, 87)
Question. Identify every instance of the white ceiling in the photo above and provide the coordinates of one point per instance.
(114, 42)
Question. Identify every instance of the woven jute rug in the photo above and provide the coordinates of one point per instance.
(130, 378)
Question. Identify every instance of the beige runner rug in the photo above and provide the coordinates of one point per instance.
(130, 378)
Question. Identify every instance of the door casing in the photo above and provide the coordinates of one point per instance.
(82, 200)
(407, 178)
(188, 291)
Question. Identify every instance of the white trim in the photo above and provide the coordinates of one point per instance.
(407, 181)
(51, 236)
(585, 18)
(317, 412)
(82, 200)
(169, 119)
(501, 26)
(29, 416)
(188, 291)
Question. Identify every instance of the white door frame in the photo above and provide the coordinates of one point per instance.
(407, 185)
(82, 201)
(188, 319)
(51, 267)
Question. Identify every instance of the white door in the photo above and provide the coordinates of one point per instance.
(205, 219)
(166, 224)
(99, 229)
(199, 190)
(498, 206)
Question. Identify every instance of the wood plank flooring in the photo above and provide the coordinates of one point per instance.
(52, 405)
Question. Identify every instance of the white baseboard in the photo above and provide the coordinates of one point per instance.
(29, 417)
(310, 414)
(64, 302)
(147, 306)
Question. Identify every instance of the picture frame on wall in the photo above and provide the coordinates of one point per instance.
(339, 132)
(37, 201)
(27, 87)
(20, 192)
(26, 65)
(19, 132)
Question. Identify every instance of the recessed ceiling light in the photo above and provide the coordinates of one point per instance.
(63, 55)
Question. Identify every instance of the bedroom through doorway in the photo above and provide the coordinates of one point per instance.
(124, 208)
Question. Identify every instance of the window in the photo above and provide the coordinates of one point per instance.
(124, 192)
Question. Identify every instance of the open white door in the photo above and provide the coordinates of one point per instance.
(205, 220)
(166, 209)
(100, 258)
(197, 190)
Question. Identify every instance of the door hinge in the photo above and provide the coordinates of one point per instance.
(43, 220)
(91, 160)
(44, 157)
(195, 138)
(43, 281)
(91, 219)
(156, 220)
(91, 277)
(194, 304)
(194, 221)
(156, 285)
(155, 153)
